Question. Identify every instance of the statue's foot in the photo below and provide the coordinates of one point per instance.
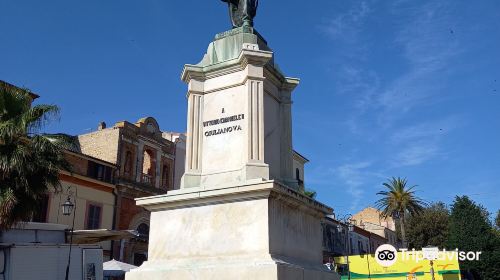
(247, 23)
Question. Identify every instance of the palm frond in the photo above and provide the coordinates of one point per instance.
(29, 162)
(38, 116)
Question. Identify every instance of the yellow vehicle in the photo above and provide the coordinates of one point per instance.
(406, 268)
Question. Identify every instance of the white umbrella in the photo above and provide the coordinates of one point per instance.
(115, 268)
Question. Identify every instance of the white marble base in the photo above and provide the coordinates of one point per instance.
(257, 270)
(259, 230)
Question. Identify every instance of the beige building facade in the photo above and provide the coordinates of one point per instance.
(92, 193)
(111, 168)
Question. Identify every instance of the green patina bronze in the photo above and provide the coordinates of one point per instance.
(242, 12)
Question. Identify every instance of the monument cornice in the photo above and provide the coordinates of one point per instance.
(285, 83)
(250, 191)
(247, 56)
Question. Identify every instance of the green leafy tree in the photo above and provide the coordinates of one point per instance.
(399, 201)
(497, 220)
(29, 160)
(430, 228)
(308, 192)
(470, 229)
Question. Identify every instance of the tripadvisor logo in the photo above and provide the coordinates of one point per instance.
(386, 255)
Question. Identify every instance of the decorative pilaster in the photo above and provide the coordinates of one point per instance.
(286, 153)
(140, 161)
(158, 169)
(195, 131)
(286, 148)
(256, 121)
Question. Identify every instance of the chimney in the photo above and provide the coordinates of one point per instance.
(101, 126)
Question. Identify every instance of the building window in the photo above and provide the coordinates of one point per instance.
(148, 167)
(42, 210)
(361, 248)
(143, 230)
(100, 172)
(297, 177)
(165, 177)
(94, 213)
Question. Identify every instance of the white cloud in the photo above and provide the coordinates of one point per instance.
(416, 154)
(428, 47)
(353, 176)
(421, 142)
(423, 49)
(347, 25)
(426, 130)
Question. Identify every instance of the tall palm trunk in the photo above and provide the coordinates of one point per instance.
(403, 231)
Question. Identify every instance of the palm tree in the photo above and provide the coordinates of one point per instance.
(30, 161)
(399, 200)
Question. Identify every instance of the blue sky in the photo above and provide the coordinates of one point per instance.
(388, 88)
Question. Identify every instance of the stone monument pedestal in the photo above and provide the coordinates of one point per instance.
(259, 230)
(239, 213)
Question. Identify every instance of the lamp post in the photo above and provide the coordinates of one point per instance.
(68, 207)
(346, 222)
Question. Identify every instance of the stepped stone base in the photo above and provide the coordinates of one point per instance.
(260, 230)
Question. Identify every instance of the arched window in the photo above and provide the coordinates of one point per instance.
(140, 257)
(128, 162)
(143, 230)
(297, 174)
(148, 167)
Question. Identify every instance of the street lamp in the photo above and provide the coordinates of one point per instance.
(346, 222)
(69, 207)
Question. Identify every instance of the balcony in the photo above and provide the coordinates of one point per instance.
(147, 186)
(147, 179)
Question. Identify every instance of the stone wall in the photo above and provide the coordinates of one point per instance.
(102, 144)
(180, 156)
(372, 215)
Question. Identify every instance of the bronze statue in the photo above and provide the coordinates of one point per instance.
(242, 12)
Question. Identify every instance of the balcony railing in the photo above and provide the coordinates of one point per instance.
(147, 179)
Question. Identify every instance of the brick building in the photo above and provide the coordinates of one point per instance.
(370, 220)
(372, 216)
(145, 162)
